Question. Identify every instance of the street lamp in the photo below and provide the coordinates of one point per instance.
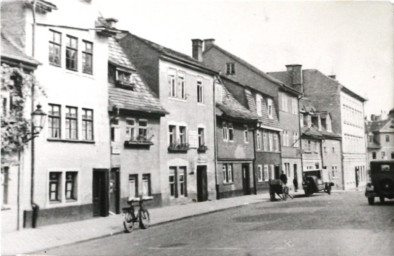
(37, 123)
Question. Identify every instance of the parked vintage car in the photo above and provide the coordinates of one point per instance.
(315, 181)
(382, 181)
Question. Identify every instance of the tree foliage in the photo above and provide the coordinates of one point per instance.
(16, 86)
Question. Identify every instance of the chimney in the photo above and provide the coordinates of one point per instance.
(111, 22)
(296, 73)
(197, 49)
(208, 43)
(332, 76)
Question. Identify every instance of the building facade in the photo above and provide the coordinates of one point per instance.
(135, 114)
(235, 127)
(72, 149)
(347, 114)
(185, 89)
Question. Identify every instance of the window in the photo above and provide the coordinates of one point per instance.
(259, 173)
(71, 123)
(146, 186)
(181, 87)
(87, 124)
(230, 68)
(182, 181)
(182, 134)
(317, 165)
(265, 141)
(87, 57)
(200, 92)
(284, 102)
(227, 173)
(246, 134)
(54, 186)
(373, 155)
(392, 155)
(272, 171)
(270, 108)
(225, 131)
(294, 106)
(130, 128)
(55, 46)
(71, 53)
(258, 142)
(54, 118)
(115, 136)
(387, 138)
(123, 76)
(383, 155)
(301, 120)
(271, 143)
(201, 141)
(265, 174)
(230, 132)
(287, 169)
(171, 134)
(259, 104)
(142, 129)
(71, 186)
(133, 185)
(172, 182)
(295, 139)
(171, 83)
(334, 171)
(276, 142)
(285, 138)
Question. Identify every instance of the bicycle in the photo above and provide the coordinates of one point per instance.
(130, 216)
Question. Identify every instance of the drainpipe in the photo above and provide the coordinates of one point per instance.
(254, 160)
(300, 140)
(34, 206)
(215, 143)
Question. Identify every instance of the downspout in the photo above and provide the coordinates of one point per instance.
(300, 134)
(215, 143)
(33, 205)
(254, 160)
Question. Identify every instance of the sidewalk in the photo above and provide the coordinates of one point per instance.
(41, 238)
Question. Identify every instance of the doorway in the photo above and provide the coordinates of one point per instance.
(100, 192)
(357, 177)
(202, 186)
(246, 179)
(114, 195)
(276, 171)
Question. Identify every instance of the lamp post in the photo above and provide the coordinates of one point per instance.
(37, 123)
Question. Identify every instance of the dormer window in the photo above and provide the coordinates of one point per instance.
(230, 68)
(124, 79)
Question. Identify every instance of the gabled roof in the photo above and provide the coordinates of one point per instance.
(306, 105)
(10, 50)
(141, 98)
(283, 76)
(312, 132)
(172, 54)
(230, 107)
(376, 126)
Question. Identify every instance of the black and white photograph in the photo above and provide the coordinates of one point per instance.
(197, 127)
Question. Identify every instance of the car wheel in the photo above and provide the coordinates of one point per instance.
(381, 198)
(371, 200)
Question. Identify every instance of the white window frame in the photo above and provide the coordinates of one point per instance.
(129, 127)
(224, 131)
(259, 105)
(284, 102)
(200, 92)
(230, 131)
(260, 175)
(246, 134)
(181, 85)
(270, 141)
(270, 108)
(258, 142)
(266, 173)
(294, 106)
(172, 86)
(62, 191)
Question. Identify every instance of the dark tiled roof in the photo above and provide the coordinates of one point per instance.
(332, 135)
(249, 66)
(142, 98)
(117, 56)
(311, 132)
(12, 51)
(375, 126)
(264, 119)
(232, 108)
(283, 76)
(172, 53)
(306, 105)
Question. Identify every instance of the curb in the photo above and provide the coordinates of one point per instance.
(151, 225)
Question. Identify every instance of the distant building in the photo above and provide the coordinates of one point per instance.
(347, 115)
(184, 87)
(380, 139)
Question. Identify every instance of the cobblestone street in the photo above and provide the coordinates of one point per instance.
(340, 224)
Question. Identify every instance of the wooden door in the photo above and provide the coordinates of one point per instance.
(114, 195)
(202, 184)
(246, 179)
(100, 192)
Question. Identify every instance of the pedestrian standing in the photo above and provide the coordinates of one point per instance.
(295, 183)
(283, 178)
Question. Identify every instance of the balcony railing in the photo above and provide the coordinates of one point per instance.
(139, 141)
(178, 148)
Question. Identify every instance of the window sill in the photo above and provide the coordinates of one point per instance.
(135, 144)
(177, 99)
(71, 201)
(72, 141)
(55, 65)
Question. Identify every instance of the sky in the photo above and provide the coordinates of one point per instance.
(352, 40)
